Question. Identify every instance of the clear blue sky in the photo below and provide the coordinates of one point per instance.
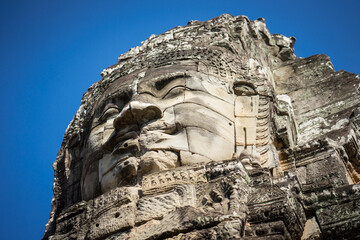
(52, 51)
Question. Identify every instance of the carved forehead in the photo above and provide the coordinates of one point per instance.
(179, 66)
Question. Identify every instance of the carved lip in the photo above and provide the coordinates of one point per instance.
(127, 146)
(168, 128)
(122, 158)
(172, 129)
(118, 137)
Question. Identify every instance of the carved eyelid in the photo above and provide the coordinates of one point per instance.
(106, 110)
(159, 86)
(166, 85)
(162, 83)
(171, 89)
(108, 106)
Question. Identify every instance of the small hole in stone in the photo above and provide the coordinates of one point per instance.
(126, 163)
(97, 225)
(230, 123)
(125, 145)
(117, 215)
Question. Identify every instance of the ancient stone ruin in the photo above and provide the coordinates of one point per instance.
(215, 130)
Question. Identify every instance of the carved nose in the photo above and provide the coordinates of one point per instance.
(137, 112)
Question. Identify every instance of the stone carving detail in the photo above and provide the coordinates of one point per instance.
(214, 130)
(169, 179)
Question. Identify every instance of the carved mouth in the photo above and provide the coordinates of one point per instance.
(172, 128)
(118, 137)
(127, 146)
(121, 159)
(164, 127)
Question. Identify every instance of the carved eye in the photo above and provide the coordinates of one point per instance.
(169, 86)
(161, 85)
(108, 112)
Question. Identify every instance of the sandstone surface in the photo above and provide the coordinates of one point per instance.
(214, 130)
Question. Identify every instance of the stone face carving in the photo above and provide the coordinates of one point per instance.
(215, 130)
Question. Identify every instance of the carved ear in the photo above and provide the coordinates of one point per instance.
(244, 88)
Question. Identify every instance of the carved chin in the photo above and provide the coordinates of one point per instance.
(124, 172)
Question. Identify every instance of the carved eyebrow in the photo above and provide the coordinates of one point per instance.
(162, 81)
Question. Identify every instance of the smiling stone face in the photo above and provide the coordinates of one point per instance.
(172, 116)
(165, 119)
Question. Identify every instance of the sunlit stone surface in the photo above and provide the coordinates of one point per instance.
(215, 130)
